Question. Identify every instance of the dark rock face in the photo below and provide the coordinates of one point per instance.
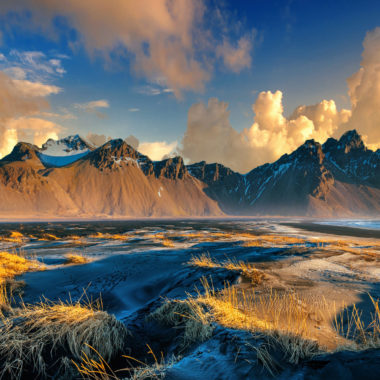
(339, 178)
(223, 184)
(313, 174)
(172, 168)
(22, 152)
(348, 158)
(112, 154)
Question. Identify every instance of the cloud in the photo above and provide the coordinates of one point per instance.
(21, 104)
(33, 89)
(157, 150)
(96, 139)
(210, 136)
(132, 141)
(171, 40)
(153, 90)
(92, 107)
(133, 109)
(33, 129)
(35, 66)
(236, 58)
(364, 92)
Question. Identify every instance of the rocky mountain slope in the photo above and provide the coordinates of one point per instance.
(112, 180)
(71, 178)
(338, 178)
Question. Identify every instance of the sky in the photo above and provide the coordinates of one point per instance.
(235, 82)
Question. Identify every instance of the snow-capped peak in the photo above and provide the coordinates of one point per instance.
(64, 151)
(67, 146)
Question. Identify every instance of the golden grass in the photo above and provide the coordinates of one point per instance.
(100, 235)
(44, 338)
(286, 321)
(247, 270)
(12, 264)
(189, 315)
(76, 259)
(167, 243)
(48, 237)
(270, 240)
(99, 369)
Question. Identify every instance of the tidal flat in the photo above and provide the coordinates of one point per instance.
(190, 299)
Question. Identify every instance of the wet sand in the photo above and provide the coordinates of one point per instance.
(335, 230)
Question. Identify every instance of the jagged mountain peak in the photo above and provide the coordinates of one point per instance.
(352, 140)
(209, 172)
(114, 153)
(173, 168)
(310, 150)
(71, 144)
(22, 152)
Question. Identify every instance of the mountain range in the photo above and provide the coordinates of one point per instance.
(72, 178)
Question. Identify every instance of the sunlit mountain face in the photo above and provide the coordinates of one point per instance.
(189, 189)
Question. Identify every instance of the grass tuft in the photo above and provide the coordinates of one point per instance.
(247, 270)
(76, 259)
(44, 338)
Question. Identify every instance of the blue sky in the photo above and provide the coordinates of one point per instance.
(305, 49)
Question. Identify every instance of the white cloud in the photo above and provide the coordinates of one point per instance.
(102, 103)
(157, 150)
(171, 40)
(364, 92)
(35, 89)
(133, 109)
(21, 104)
(238, 57)
(210, 136)
(93, 106)
(150, 90)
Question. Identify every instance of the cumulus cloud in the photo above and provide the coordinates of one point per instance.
(21, 104)
(168, 39)
(364, 92)
(157, 150)
(210, 136)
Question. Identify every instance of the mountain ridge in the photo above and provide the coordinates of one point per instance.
(337, 178)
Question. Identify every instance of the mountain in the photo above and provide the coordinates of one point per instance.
(112, 180)
(65, 151)
(338, 178)
(72, 178)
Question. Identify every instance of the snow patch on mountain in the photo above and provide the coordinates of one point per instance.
(64, 152)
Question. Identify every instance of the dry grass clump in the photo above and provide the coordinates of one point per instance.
(99, 369)
(100, 235)
(13, 264)
(14, 237)
(44, 338)
(76, 259)
(167, 243)
(189, 315)
(279, 318)
(248, 270)
(270, 240)
(359, 335)
(48, 237)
